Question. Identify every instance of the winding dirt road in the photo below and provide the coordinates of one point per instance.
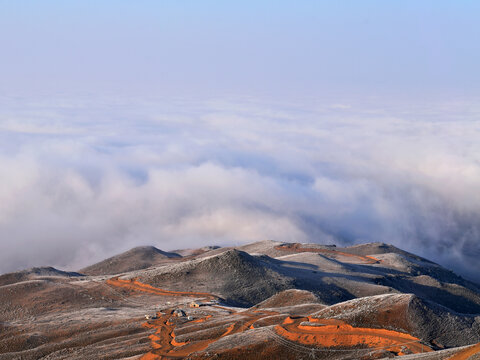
(336, 333)
(135, 285)
(312, 332)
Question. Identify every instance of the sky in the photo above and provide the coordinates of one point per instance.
(289, 48)
(186, 123)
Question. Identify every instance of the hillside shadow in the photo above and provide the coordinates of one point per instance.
(458, 303)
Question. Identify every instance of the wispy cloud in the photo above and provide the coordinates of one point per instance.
(81, 180)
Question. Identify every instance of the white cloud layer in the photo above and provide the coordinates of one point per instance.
(82, 180)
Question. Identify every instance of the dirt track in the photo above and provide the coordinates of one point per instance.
(135, 285)
(315, 333)
(163, 340)
(336, 333)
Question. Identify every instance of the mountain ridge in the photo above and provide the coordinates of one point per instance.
(267, 299)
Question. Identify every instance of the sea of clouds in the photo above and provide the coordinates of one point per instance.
(85, 178)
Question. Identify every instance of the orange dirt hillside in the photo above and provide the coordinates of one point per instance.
(165, 345)
(466, 353)
(135, 285)
(323, 333)
(163, 339)
(335, 333)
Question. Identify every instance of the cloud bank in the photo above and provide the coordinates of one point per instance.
(85, 178)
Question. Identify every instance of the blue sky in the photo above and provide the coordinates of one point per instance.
(273, 48)
(189, 123)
